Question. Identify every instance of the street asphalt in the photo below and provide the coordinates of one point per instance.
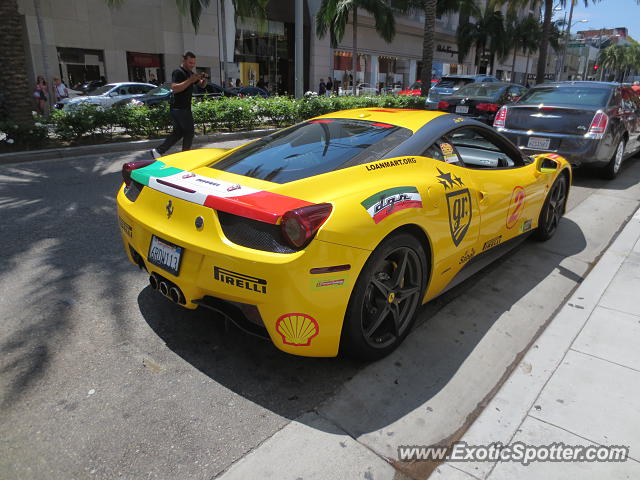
(102, 378)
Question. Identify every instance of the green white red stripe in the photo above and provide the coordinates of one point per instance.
(386, 202)
(217, 194)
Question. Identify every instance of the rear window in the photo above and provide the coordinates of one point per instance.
(481, 90)
(454, 82)
(313, 148)
(570, 96)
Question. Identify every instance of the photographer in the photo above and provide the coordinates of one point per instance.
(182, 80)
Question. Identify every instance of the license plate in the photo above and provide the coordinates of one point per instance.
(165, 255)
(462, 109)
(539, 142)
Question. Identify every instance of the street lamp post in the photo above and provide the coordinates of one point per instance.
(567, 32)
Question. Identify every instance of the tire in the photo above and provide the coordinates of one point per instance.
(552, 209)
(613, 167)
(384, 301)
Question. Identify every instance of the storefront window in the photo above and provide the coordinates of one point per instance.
(79, 65)
(145, 67)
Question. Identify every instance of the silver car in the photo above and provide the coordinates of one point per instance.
(109, 94)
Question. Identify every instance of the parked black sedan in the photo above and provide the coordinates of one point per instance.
(589, 123)
(482, 100)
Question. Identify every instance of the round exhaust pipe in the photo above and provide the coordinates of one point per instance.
(164, 289)
(174, 295)
(153, 281)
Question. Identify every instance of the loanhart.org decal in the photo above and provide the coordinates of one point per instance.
(217, 194)
(386, 202)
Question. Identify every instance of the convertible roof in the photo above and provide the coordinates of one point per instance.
(401, 117)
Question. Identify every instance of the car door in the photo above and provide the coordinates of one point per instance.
(630, 110)
(509, 189)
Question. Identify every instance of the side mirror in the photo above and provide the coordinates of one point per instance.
(546, 165)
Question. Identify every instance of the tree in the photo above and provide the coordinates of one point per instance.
(523, 35)
(486, 34)
(16, 101)
(333, 16)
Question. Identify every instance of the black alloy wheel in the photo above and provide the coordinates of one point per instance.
(552, 209)
(387, 294)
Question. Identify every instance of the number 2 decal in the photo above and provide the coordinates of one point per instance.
(516, 206)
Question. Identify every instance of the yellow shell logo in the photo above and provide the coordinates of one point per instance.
(297, 329)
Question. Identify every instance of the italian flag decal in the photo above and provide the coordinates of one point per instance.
(217, 194)
(386, 202)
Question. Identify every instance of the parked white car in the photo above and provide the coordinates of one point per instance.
(107, 95)
(361, 89)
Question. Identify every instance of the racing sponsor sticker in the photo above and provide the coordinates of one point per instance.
(448, 179)
(297, 329)
(240, 280)
(516, 206)
(325, 283)
(526, 226)
(492, 243)
(125, 227)
(468, 255)
(390, 163)
(386, 202)
(446, 148)
(459, 207)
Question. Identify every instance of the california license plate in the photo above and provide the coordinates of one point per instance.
(462, 109)
(165, 255)
(539, 142)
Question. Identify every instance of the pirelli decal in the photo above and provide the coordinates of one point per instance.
(386, 202)
(240, 280)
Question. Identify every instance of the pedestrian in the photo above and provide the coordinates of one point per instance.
(182, 80)
(60, 89)
(322, 89)
(40, 94)
(329, 86)
(636, 87)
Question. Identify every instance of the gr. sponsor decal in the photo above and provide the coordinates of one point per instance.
(328, 283)
(125, 227)
(516, 206)
(468, 255)
(459, 206)
(390, 163)
(297, 329)
(492, 243)
(458, 120)
(526, 226)
(240, 280)
(386, 202)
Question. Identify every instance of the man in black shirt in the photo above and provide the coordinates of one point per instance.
(182, 80)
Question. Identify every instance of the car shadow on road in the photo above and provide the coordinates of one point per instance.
(627, 178)
(449, 329)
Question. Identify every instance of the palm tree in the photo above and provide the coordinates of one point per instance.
(523, 35)
(486, 35)
(333, 17)
(15, 95)
(617, 58)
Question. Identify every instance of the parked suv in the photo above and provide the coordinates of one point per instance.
(588, 123)
(450, 84)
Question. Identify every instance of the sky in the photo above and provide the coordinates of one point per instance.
(606, 14)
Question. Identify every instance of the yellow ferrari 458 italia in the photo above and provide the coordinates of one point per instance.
(327, 236)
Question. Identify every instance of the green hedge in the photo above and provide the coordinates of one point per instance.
(225, 114)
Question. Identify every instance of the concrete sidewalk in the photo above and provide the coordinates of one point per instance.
(579, 384)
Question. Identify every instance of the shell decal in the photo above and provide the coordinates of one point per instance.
(297, 329)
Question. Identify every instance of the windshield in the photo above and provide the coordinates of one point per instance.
(453, 82)
(586, 96)
(481, 90)
(102, 90)
(313, 148)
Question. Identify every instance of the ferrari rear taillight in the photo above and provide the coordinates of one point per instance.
(487, 107)
(501, 117)
(599, 123)
(300, 225)
(129, 167)
(442, 105)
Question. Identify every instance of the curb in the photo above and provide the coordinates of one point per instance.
(52, 153)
